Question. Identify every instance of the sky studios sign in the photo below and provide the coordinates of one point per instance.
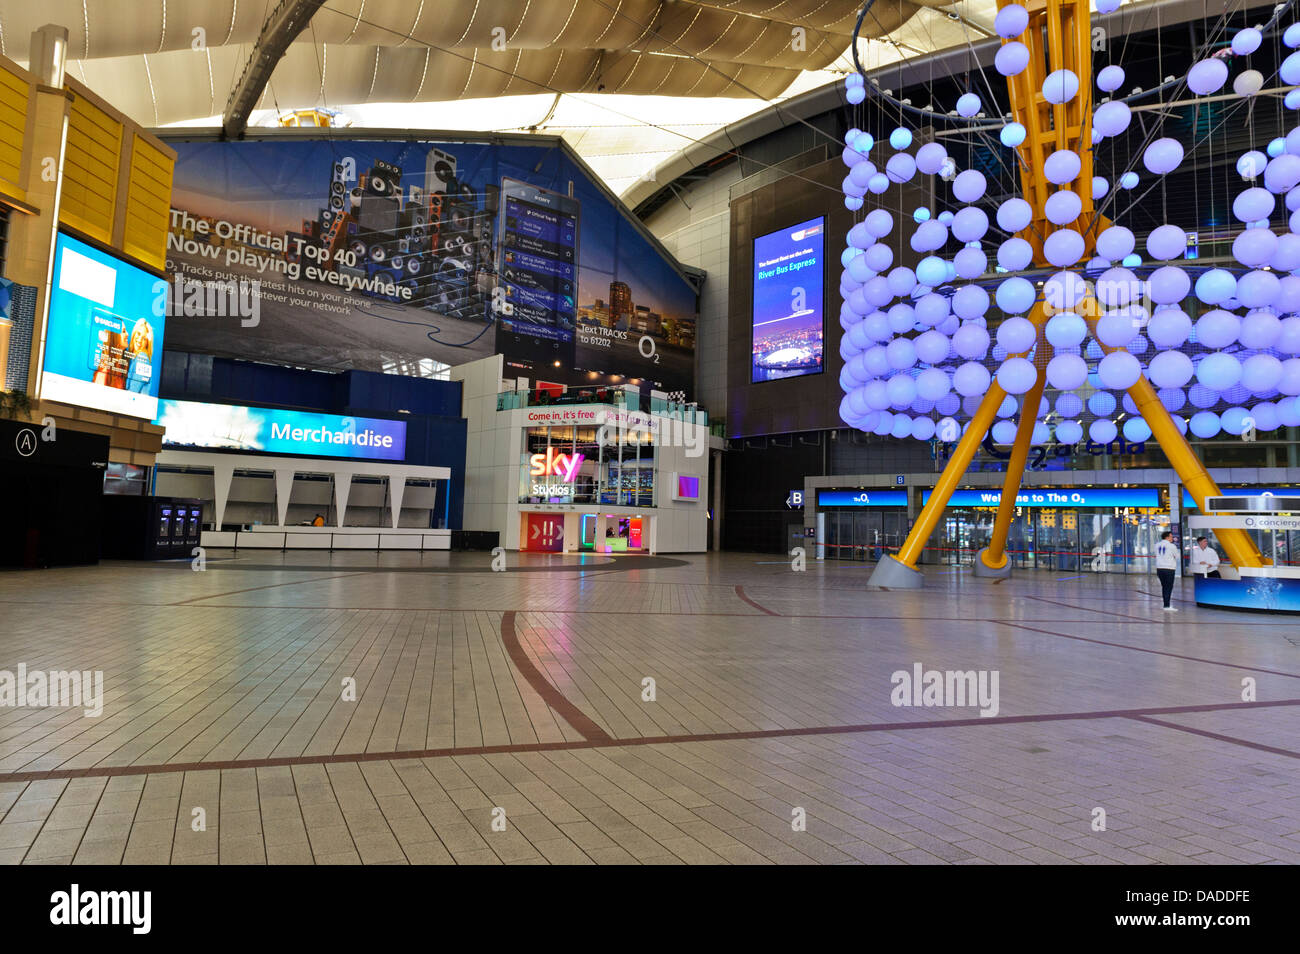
(554, 464)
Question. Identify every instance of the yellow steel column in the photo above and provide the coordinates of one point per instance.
(994, 556)
(951, 476)
(1237, 544)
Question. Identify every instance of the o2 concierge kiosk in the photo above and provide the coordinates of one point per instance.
(1273, 588)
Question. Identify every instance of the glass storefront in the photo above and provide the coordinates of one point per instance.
(863, 534)
(571, 464)
(1058, 539)
(1043, 538)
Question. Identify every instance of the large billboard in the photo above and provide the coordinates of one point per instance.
(390, 255)
(104, 336)
(276, 431)
(787, 312)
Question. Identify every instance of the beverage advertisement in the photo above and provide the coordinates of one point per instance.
(105, 333)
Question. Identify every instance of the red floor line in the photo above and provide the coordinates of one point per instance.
(1176, 599)
(110, 771)
(740, 591)
(1154, 652)
(1043, 599)
(1232, 739)
(552, 696)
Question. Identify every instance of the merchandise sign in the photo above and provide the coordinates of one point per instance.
(272, 431)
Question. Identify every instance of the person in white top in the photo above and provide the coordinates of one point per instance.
(1167, 559)
(1205, 559)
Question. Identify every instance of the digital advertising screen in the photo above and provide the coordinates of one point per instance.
(1065, 497)
(396, 254)
(265, 430)
(537, 312)
(789, 268)
(104, 337)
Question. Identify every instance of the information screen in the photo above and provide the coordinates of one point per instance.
(789, 268)
(104, 339)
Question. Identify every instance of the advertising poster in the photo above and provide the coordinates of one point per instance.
(275, 431)
(788, 275)
(395, 255)
(105, 333)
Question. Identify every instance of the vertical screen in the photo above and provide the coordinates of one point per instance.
(539, 256)
(789, 268)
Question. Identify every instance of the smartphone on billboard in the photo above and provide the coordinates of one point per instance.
(536, 299)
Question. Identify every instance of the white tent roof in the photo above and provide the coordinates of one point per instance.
(627, 83)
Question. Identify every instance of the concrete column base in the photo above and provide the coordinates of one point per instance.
(987, 572)
(892, 574)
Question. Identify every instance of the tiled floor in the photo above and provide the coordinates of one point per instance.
(509, 717)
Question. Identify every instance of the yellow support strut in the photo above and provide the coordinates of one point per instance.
(1237, 543)
(952, 474)
(994, 556)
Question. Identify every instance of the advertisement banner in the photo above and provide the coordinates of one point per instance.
(104, 338)
(400, 255)
(788, 275)
(862, 498)
(273, 431)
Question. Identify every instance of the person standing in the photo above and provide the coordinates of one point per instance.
(1205, 559)
(1167, 557)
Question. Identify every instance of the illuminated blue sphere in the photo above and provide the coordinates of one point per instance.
(1207, 76)
(1205, 424)
(1102, 431)
(1015, 254)
(1017, 375)
(971, 342)
(1246, 41)
(1215, 286)
(1218, 371)
(1119, 370)
(1069, 432)
(971, 378)
(1110, 78)
(1136, 430)
(900, 138)
(1015, 296)
(931, 271)
(1014, 215)
(1066, 330)
(1115, 242)
(1011, 21)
